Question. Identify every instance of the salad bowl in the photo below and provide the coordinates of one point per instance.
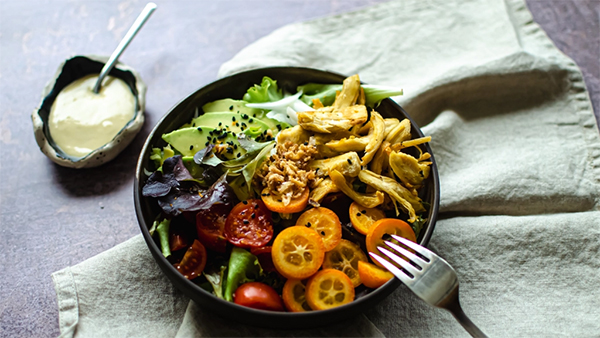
(235, 86)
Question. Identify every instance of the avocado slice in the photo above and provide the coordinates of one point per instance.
(234, 106)
(231, 121)
(188, 141)
(240, 106)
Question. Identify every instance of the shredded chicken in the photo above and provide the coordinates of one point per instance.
(286, 173)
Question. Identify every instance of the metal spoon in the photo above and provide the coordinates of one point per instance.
(135, 28)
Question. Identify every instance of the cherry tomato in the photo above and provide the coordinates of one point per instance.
(210, 225)
(325, 222)
(329, 288)
(249, 224)
(298, 252)
(177, 242)
(264, 257)
(258, 296)
(193, 262)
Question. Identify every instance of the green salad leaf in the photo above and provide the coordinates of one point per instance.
(215, 275)
(160, 155)
(326, 93)
(267, 91)
(243, 267)
(163, 235)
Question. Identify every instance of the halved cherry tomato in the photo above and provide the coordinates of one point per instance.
(373, 276)
(298, 252)
(325, 222)
(362, 218)
(329, 288)
(389, 226)
(276, 204)
(345, 257)
(193, 262)
(258, 296)
(249, 224)
(177, 242)
(264, 257)
(293, 295)
(210, 225)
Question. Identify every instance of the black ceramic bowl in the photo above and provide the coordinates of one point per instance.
(234, 87)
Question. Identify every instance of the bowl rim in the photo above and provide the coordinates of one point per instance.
(387, 288)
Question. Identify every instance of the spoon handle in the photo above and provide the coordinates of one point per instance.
(135, 28)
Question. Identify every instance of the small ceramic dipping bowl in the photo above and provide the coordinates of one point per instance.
(69, 71)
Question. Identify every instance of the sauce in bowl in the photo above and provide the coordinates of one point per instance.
(81, 121)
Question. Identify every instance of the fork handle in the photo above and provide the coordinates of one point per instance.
(466, 323)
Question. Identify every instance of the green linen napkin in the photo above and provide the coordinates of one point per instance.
(518, 152)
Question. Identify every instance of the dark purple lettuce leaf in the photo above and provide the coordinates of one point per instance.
(159, 185)
(186, 197)
(175, 166)
(219, 193)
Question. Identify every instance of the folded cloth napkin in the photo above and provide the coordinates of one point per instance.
(518, 152)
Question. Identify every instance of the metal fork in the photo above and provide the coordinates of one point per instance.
(429, 277)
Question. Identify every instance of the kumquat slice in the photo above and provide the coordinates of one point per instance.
(379, 231)
(373, 276)
(345, 257)
(325, 223)
(294, 295)
(363, 218)
(329, 288)
(297, 252)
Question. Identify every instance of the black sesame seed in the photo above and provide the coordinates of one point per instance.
(220, 123)
(191, 147)
(269, 138)
(358, 214)
(364, 212)
(246, 221)
(234, 146)
(193, 124)
(206, 144)
(256, 205)
(279, 127)
(253, 215)
(308, 225)
(230, 107)
(199, 129)
(233, 119)
(264, 194)
(245, 202)
(322, 233)
(305, 143)
(349, 162)
(251, 120)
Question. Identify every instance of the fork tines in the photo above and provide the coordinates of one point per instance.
(409, 269)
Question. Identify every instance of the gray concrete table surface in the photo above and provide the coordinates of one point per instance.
(53, 217)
